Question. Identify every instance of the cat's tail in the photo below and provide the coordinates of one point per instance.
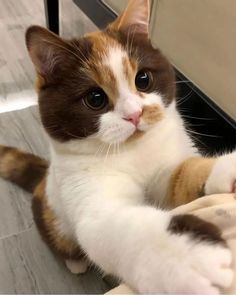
(23, 169)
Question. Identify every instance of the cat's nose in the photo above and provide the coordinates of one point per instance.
(134, 118)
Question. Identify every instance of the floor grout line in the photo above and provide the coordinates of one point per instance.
(17, 233)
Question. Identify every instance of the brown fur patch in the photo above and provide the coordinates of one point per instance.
(61, 64)
(47, 221)
(197, 228)
(23, 169)
(188, 180)
(152, 114)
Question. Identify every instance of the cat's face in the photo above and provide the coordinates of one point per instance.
(111, 85)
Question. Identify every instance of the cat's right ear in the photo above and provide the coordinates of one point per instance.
(47, 50)
(135, 17)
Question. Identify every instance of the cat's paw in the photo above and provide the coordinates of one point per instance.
(205, 259)
(223, 175)
(194, 260)
(77, 266)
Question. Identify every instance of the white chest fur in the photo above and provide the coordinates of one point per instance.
(148, 162)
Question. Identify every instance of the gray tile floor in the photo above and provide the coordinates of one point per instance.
(26, 264)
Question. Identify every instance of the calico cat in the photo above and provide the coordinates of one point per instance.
(120, 153)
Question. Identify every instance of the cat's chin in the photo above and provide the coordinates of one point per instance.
(136, 135)
(138, 132)
(133, 137)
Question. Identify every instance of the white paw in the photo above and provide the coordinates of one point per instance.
(223, 175)
(193, 259)
(209, 269)
(77, 266)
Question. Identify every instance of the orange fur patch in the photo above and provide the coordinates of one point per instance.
(23, 169)
(130, 70)
(7, 164)
(188, 180)
(47, 221)
(152, 114)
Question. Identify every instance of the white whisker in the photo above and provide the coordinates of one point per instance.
(199, 118)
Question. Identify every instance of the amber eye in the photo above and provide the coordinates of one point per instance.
(96, 99)
(143, 80)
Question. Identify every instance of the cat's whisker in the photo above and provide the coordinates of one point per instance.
(51, 127)
(188, 124)
(100, 149)
(103, 146)
(71, 134)
(114, 148)
(107, 153)
(203, 134)
(196, 139)
(132, 40)
(181, 100)
(182, 110)
(183, 81)
(80, 51)
(199, 118)
(128, 45)
(194, 125)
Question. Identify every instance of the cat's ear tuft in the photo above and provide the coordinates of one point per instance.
(136, 16)
(46, 50)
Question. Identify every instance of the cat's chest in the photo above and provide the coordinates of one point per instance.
(152, 155)
(140, 160)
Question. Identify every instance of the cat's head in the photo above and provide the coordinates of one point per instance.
(111, 84)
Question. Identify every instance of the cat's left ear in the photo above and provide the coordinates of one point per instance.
(135, 17)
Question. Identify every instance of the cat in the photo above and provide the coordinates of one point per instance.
(120, 161)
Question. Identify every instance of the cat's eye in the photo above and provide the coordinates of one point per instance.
(143, 80)
(96, 99)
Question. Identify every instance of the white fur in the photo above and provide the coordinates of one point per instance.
(113, 124)
(99, 203)
(99, 189)
(223, 175)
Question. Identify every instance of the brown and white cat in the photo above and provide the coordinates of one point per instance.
(119, 152)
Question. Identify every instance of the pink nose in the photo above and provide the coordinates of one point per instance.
(133, 118)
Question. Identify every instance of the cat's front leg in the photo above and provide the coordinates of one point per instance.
(154, 251)
(199, 176)
(223, 175)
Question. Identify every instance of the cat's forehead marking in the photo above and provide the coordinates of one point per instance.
(113, 60)
(123, 69)
(110, 66)
(98, 68)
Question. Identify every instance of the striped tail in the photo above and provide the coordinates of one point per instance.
(23, 169)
